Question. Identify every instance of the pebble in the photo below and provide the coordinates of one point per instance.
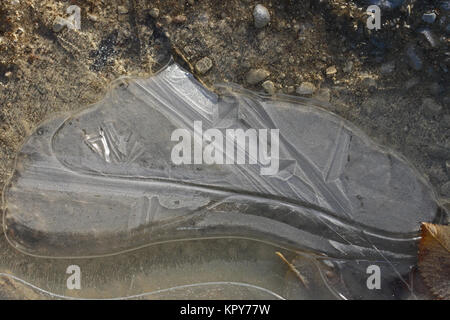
(269, 87)
(431, 106)
(429, 36)
(255, 76)
(180, 19)
(331, 71)
(92, 17)
(203, 65)
(429, 17)
(191, 2)
(122, 10)
(290, 89)
(306, 88)
(154, 13)
(261, 16)
(8, 74)
(447, 166)
(167, 19)
(413, 58)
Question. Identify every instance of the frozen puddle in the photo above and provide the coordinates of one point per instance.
(100, 183)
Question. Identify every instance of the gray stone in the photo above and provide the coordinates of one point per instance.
(261, 16)
(269, 87)
(306, 88)
(203, 65)
(255, 76)
(429, 17)
(429, 36)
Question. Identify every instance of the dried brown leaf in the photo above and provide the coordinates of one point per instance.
(434, 258)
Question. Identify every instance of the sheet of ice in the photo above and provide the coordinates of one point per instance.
(102, 181)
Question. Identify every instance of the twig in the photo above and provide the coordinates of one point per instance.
(293, 269)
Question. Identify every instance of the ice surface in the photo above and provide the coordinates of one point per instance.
(102, 181)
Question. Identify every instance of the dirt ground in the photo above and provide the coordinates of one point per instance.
(393, 83)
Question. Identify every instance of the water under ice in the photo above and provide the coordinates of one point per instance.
(100, 185)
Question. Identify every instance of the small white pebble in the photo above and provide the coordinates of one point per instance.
(261, 16)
